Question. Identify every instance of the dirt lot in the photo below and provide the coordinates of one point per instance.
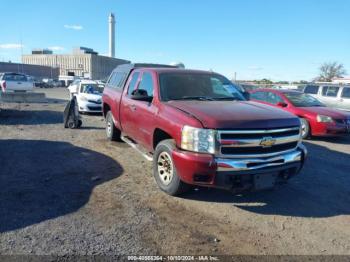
(72, 192)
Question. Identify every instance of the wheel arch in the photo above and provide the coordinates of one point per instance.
(106, 108)
(159, 135)
(309, 123)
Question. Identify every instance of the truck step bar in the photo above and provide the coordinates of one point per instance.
(137, 147)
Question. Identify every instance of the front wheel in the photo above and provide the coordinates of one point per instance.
(113, 134)
(164, 170)
(305, 128)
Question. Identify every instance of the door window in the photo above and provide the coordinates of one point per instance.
(260, 96)
(133, 82)
(330, 91)
(147, 83)
(346, 92)
(273, 98)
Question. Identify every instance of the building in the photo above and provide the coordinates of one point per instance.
(341, 80)
(83, 62)
(42, 52)
(37, 71)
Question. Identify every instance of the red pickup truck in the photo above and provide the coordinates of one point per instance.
(198, 129)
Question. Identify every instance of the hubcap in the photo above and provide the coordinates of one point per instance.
(109, 127)
(165, 168)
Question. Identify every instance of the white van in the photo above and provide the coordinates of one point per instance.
(332, 95)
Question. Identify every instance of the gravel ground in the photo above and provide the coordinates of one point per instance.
(72, 192)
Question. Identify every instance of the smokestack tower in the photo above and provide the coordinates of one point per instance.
(111, 21)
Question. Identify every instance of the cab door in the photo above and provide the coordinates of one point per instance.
(128, 111)
(344, 99)
(329, 95)
(144, 114)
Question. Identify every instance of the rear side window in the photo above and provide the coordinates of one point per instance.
(311, 90)
(260, 96)
(330, 91)
(133, 82)
(117, 80)
(346, 92)
(147, 83)
(110, 80)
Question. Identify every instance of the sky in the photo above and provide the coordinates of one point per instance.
(273, 39)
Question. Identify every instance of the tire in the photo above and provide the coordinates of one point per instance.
(113, 134)
(305, 128)
(71, 124)
(167, 180)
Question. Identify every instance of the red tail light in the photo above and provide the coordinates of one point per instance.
(4, 85)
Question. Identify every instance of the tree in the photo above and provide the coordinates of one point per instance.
(330, 70)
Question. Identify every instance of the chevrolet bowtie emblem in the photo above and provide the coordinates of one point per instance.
(267, 141)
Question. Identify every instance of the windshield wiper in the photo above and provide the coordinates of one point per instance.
(202, 98)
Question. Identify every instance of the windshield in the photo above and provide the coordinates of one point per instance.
(194, 86)
(302, 100)
(91, 89)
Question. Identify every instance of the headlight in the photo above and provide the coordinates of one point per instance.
(198, 140)
(324, 119)
(83, 98)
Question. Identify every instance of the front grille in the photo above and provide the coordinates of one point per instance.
(241, 143)
(259, 136)
(95, 108)
(258, 149)
(342, 121)
(95, 102)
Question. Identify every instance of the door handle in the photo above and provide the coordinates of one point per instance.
(133, 108)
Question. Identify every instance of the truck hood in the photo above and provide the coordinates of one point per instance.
(236, 114)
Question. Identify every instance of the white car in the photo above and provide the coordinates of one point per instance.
(88, 94)
(13, 82)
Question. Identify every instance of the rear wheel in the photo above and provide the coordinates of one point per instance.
(113, 134)
(164, 170)
(305, 128)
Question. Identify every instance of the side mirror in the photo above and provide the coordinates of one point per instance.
(141, 95)
(282, 104)
(246, 95)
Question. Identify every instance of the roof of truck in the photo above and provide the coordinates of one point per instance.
(181, 70)
(157, 68)
(142, 65)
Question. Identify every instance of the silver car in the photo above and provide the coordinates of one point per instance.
(332, 95)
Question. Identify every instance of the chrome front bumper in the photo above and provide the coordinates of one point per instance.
(246, 164)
